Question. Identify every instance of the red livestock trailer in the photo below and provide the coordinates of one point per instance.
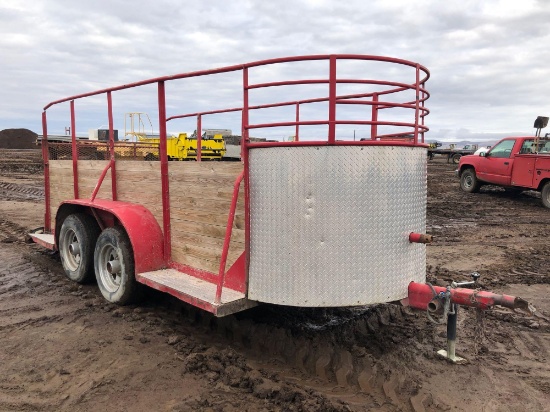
(318, 221)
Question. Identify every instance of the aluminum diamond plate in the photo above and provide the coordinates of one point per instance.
(330, 224)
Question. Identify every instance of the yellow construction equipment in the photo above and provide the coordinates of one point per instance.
(181, 147)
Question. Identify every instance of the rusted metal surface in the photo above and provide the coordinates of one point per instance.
(420, 238)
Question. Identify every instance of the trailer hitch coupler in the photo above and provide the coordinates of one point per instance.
(420, 238)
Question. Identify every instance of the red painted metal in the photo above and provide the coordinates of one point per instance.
(112, 145)
(207, 306)
(297, 133)
(417, 108)
(374, 117)
(74, 151)
(199, 137)
(182, 116)
(403, 142)
(42, 242)
(45, 158)
(420, 295)
(244, 158)
(164, 173)
(238, 67)
(141, 226)
(100, 181)
(332, 101)
(191, 271)
(227, 239)
(236, 276)
(420, 238)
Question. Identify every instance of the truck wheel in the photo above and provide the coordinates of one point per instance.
(77, 239)
(114, 267)
(546, 194)
(469, 182)
(456, 158)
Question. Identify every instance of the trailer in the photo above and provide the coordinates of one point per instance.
(452, 153)
(322, 222)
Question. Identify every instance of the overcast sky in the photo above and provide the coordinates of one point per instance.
(488, 59)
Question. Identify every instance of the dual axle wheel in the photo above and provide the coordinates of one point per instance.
(85, 250)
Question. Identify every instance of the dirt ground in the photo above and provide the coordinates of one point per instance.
(63, 348)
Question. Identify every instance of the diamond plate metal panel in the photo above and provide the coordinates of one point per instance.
(330, 224)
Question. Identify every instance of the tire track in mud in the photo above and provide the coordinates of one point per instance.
(381, 358)
(309, 344)
(15, 191)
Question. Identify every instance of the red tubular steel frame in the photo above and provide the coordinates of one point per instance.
(333, 99)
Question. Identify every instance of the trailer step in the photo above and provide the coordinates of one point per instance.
(196, 291)
(43, 239)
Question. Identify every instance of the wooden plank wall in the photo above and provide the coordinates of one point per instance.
(200, 198)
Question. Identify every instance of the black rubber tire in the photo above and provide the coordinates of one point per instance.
(545, 194)
(114, 267)
(469, 182)
(456, 158)
(81, 231)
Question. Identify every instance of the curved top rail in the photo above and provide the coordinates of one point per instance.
(233, 68)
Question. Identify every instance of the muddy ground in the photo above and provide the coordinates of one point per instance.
(63, 348)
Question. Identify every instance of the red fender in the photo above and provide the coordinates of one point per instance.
(141, 226)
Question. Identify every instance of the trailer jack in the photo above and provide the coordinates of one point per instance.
(444, 302)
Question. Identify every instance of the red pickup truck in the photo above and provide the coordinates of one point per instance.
(516, 163)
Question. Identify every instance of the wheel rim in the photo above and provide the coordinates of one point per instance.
(110, 268)
(468, 181)
(70, 245)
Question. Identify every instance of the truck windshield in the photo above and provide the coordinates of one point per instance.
(503, 149)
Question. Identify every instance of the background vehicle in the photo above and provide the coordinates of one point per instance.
(516, 163)
(451, 152)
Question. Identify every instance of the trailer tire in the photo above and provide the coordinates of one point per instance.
(456, 158)
(545, 194)
(77, 239)
(469, 182)
(114, 267)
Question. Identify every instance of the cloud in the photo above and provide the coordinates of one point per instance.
(487, 59)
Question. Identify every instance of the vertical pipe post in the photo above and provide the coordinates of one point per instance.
(245, 160)
(112, 145)
(451, 332)
(423, 116)
(297, 137)
(417, 109)
(45, 158)
(374, 117)
(199, 137)
(332, 101)
(74, 151)
(164, 173)
(227, 239)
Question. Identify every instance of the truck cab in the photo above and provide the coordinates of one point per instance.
(514, 162)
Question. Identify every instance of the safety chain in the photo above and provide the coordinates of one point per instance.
(479, 330)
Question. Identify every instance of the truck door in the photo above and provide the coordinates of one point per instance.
(497, 165)
(524, 165)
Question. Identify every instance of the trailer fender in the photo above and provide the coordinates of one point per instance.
(139, 223)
